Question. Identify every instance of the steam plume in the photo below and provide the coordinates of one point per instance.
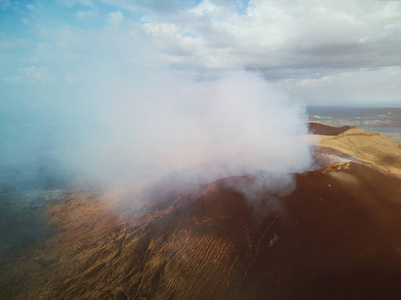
(235, 124)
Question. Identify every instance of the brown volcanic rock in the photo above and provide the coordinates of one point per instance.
(322, 129)
(337, 236)
(350, 245)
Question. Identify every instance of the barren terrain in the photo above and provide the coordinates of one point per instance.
(337, 235)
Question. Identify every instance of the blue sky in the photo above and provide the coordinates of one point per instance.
(107, 86)
(331, 53)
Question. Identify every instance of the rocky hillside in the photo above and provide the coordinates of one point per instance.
(336, 234)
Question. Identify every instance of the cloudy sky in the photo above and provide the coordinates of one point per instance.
(317, 52)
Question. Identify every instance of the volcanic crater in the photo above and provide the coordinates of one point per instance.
(335, 235)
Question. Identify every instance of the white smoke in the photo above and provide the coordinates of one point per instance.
(118, 111)
(234, 124)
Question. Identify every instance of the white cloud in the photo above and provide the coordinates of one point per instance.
(86, 14)
(39, 74)
(150, 6)
(115, 18)
(205, 8)
(278, 34)
(72, 3)
(69, 78)
(300, 46)
(25, 21)
(13, 79)
(357, 87)
(8, 42)
(30, 7)
(157, 87)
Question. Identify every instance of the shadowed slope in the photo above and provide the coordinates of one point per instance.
(321, 129)
(336, 235)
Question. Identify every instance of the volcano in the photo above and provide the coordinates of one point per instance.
(335, 235)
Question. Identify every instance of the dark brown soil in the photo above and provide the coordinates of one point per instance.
(337, 235)
(321, 129)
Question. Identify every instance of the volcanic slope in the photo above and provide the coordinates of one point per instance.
(337, 235)
(358, 144)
